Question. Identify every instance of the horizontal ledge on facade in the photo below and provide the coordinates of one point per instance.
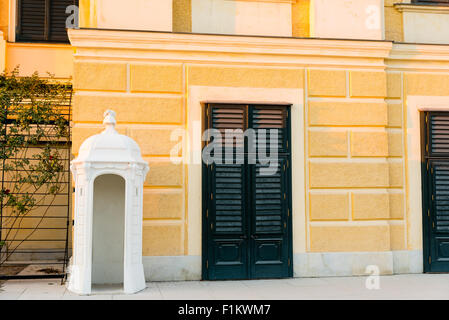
(213, 43)
(37, 45)
(422, 8)
(162, 222)
(408, 51)
(350, 223)
(273, 1)
(434, 108)
(279, 103)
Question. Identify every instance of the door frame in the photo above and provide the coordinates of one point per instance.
(199, 95)
(425, 193)
(413, 106)
(205, 191)
(427, 178)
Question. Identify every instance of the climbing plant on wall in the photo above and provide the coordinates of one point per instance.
(34, 152)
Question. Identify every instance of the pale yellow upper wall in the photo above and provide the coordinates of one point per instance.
(393, 21)
(301, 18)
(179, 17)
(4, 10)
(182, 15)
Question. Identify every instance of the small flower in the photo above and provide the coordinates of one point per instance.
(7, 191)
(50, 157)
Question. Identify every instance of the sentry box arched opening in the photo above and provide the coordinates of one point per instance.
(109, 173)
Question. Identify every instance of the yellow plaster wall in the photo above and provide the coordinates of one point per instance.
(150, 101)
(431, 86)
(182, 15)
(4, 10)
(355, 161)
(88, 13)
(354, 149)
(301, 19)
(4, 16)
(353, 146)
(2, 53)
(394, 29)
(56, 59)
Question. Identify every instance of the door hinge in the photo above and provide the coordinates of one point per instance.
(207, 264)
(431, 170)
(433, 225)
(288, 164)
(288, 212)
(285, 196)
(289, 262)
(207, 112)
(427, 147)
(285, 225)
(427, 118)
(428, 212)
(207, 213)
(212, 226)
(427, 165)
(212, 196)
(430, 259)
(433, 197)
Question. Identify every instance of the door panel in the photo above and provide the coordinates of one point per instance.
(269, 236)
(227, 223)
(439, 216)
(247, 224)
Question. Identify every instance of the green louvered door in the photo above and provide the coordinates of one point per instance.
(247, 215)
(270, 198)
(436, 191)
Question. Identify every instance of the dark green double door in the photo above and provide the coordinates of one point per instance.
(247, 212)
(435, 181)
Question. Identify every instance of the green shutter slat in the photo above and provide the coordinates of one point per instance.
(441, 194)
(32, 20)
(266, 118)
(269, 201)
(439, 134)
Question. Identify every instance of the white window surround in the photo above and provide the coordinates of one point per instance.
(425, 23)
(198, 95)
(415, 105)
(423, 8)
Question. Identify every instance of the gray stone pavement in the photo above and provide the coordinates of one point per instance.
(402, 287)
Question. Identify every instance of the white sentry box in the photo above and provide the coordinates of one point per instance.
(109, 173)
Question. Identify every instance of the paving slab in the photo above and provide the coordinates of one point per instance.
(400, 287)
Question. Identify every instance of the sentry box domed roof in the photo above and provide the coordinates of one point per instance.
(109, 146)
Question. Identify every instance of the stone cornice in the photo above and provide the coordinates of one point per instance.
(423, 52)
(421, 8)
(419, 57)
(187, 42)
(201, 48)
